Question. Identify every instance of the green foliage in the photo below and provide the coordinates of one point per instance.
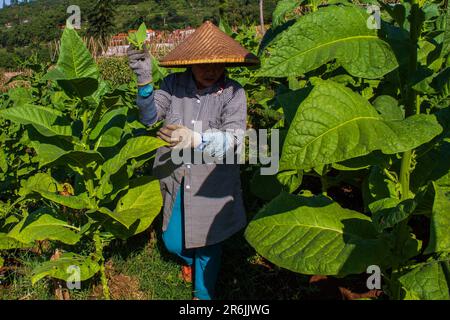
(101, 20)
(91, 132)
(360, 110)
(426, 281)
(314, 235)
(283, 8)
(332, 113)
(88, 267)
(138, 38)
(330, 33)
(115, 70)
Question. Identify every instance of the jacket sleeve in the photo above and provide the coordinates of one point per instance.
(154, 107)
(218, 143)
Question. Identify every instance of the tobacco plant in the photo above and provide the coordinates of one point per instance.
(368, 107)
(88, 144)
(138, 38)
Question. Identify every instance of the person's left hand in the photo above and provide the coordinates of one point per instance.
(180, 136)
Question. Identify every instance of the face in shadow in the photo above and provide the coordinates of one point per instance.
(206, 75)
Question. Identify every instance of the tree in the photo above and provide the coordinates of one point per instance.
(101, 21)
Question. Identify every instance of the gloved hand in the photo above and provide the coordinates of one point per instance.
(180, 137)
(140, 62)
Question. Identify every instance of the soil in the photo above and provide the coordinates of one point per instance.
(121, 287)
(350, 288)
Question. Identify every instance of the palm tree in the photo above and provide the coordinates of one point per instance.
(101, 21)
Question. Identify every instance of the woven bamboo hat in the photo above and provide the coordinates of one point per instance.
(209, 44)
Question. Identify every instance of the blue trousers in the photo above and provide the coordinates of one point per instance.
(205, 260)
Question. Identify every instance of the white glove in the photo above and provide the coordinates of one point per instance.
(187, 138)
(180, 137)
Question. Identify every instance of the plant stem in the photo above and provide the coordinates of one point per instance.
(99, 254)
(324, 180)
(405, 174)
(104, 281)
(85, 120)
(412, 102)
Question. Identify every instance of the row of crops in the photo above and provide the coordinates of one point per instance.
(358, 102)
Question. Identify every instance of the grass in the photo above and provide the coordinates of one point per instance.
(244, 274)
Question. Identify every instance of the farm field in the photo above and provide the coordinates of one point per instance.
(359, 208)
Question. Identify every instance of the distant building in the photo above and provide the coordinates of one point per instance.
(150, 34)
(159, 40)
(119, 39)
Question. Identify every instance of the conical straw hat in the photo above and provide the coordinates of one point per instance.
(208, 44)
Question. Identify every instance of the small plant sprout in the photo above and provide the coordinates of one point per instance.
(138, 38)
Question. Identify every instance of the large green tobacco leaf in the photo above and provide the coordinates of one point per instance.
(110, 186)
(272, 35)
(44, 224)
(427, 281)
(380, 186)
(109, 129)
(335, 124)
(386, 213)
(283, 7)
(44, 185)
(55, 151)
(141, 202)
(46, 120)
(375, 158)
(440, 219)
(78, 202)
(7, 242)
(20, 96)
(76, 70)
(314, 235)
(113, 118)
(48, 152)
(446, 42)
(40, 181)
(290, 101)
(3, 161)
(78, 159)
(330, 33)
(138, 208)
(48, 149)
(388, 107)
(64, 267)
(291, 179)
(134, 148)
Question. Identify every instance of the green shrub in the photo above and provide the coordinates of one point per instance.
(115, 70)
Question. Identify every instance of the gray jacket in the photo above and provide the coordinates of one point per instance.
(213, 205)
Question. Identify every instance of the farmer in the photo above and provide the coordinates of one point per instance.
(202, 200)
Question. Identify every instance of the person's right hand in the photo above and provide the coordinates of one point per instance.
(180, 137)
(140, 62)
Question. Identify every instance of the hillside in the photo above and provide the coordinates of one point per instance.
(24, 31)
(22, 26)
